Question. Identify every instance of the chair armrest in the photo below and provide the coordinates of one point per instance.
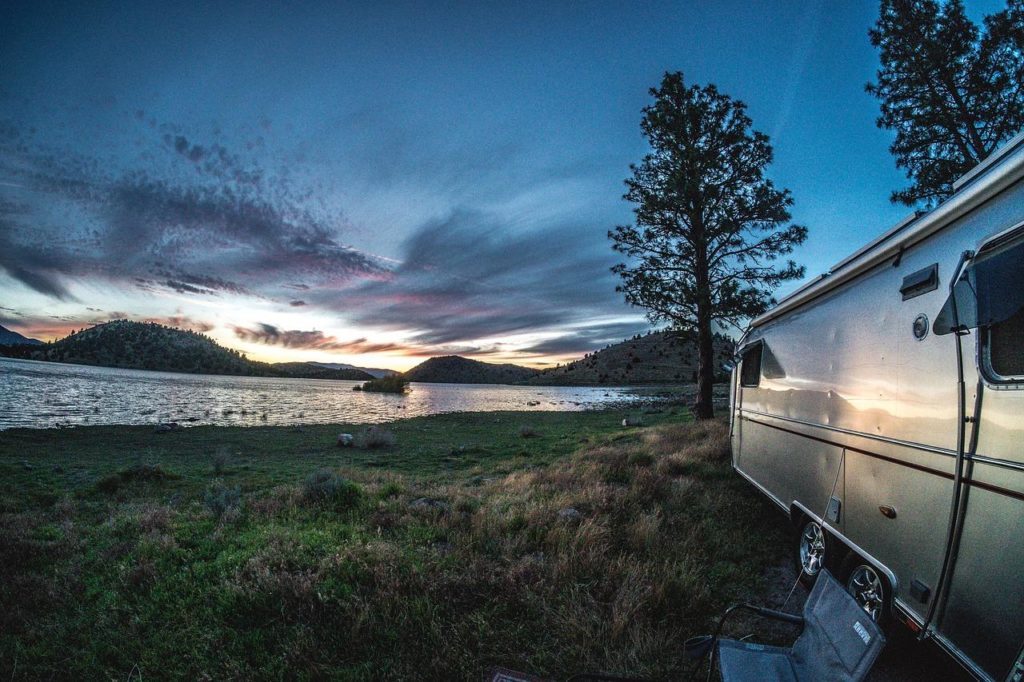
(761, 611)
(777, 615)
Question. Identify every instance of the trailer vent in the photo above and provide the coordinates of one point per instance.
(920, 282)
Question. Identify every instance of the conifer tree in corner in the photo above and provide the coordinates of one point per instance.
(710, 228)
(951, 92)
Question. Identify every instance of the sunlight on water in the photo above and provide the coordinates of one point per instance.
(44, 394)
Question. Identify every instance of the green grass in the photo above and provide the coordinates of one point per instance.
(447, 553)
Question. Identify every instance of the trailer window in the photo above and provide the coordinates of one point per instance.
(1004, 349)
(750, 370)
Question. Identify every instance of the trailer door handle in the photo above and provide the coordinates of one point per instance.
(887, 511)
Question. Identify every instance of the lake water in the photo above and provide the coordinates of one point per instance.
(49, 394)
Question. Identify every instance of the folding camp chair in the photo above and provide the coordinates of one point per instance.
(839, 642)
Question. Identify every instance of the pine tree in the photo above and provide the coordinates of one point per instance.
(709, 226)
(951, 92)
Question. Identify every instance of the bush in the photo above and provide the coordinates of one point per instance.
(152, 473)
(328, 488)
(221, 459)
(641, 459)
(395, 383)
(221, 500)
(391, 489)
(374, 437)
(528, 432)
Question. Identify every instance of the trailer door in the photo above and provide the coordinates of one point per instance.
(983, 613)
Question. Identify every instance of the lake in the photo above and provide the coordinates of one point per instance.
(49, 394)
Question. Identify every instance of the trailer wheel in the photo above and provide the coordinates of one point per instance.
(869, 587)
(814, 549)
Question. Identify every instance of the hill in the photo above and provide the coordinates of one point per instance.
(453, 369)
(145, 345)
(375, 372)
(9, 338)
(656, 358)
(315, 370)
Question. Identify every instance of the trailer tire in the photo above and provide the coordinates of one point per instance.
(814, 550)
(869, 587)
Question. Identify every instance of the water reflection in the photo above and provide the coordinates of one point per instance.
(42, 394)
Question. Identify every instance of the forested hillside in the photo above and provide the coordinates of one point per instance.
(146, 345)
(655, 358)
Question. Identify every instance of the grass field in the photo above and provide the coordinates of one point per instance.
(549, 542)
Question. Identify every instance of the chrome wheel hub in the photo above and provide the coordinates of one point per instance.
(866, 587)
(812, 548)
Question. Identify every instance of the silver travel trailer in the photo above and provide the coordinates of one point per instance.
(881, 406)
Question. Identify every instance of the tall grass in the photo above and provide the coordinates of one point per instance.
(663, 536)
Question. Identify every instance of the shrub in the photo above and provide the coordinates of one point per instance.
(374, 437)
(391, 489)
(221, 459)
(144, 473)
(641, 459)
(395, 383)
(221, 500)
(327, 487)
(528, 432)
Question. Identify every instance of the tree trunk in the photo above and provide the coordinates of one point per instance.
(703, 407)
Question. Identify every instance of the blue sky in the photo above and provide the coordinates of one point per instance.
(381, 183)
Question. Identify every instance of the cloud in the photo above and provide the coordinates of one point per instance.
(580, 341)
(473, 276)
(182, 322)
(271, 335)
(216, 226)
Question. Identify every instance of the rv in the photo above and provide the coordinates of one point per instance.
(881, 407)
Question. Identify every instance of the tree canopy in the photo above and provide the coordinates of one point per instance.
(710, 227)
(951, 92)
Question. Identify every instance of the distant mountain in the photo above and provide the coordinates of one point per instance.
(376, 372)
(453, 369)
(145, 345)
(9, 338)
(316, 370)
(655, 358)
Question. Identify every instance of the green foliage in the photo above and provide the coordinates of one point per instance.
(153, 583)
(709, 225)
(395, 383)
(138, 473)
(950, 92)
(329, 488)
(221, 499)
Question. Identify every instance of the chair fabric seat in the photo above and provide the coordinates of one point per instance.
(839, 643)
(749, 661)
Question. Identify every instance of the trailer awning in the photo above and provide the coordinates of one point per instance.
(990, 288)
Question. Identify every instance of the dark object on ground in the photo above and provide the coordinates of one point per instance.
(506, 675)
(429, 503)
(167, 428)
(839, 641)
(569, 514)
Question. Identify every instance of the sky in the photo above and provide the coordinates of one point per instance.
(378, 183)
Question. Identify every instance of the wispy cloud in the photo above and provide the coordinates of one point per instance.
(472, 276)
(209, 224)
(271, 335)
